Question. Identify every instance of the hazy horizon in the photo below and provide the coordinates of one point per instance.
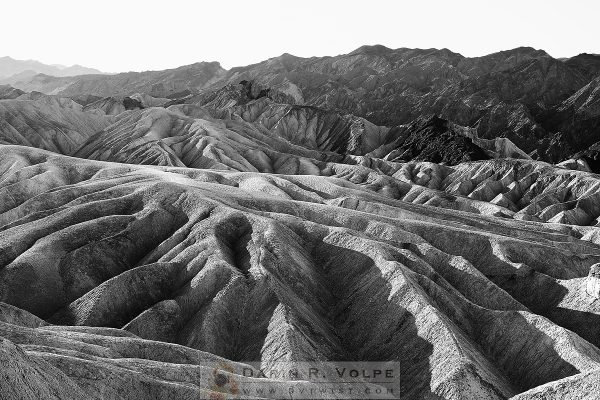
(63, 66)
(152, 35)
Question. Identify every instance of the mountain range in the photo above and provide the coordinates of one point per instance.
(545, 106)
(12, 70)
(162, 233)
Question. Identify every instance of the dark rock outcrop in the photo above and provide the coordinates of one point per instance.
(591, 157)
(431, 139)
(132, 104)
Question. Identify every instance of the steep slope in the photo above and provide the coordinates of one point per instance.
(587, 64)
(9, 92)
(49, 123)
(500, 61)
(578, 117)
(429, 139)
(539, 83)
(311, 127)
(52, 362)
(260, 267)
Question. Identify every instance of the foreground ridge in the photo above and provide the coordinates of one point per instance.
(473, 277)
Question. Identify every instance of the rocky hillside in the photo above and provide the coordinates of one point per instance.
(521, 94)
(163, 233)
(9, 92)
(141, 271)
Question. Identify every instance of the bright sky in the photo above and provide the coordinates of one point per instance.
(124, 35)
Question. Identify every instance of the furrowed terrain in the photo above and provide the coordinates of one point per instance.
(144, 238)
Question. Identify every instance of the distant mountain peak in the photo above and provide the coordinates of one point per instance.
(376, 49)
(10, 67)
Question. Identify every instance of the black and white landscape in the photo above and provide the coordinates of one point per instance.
(163, 233)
